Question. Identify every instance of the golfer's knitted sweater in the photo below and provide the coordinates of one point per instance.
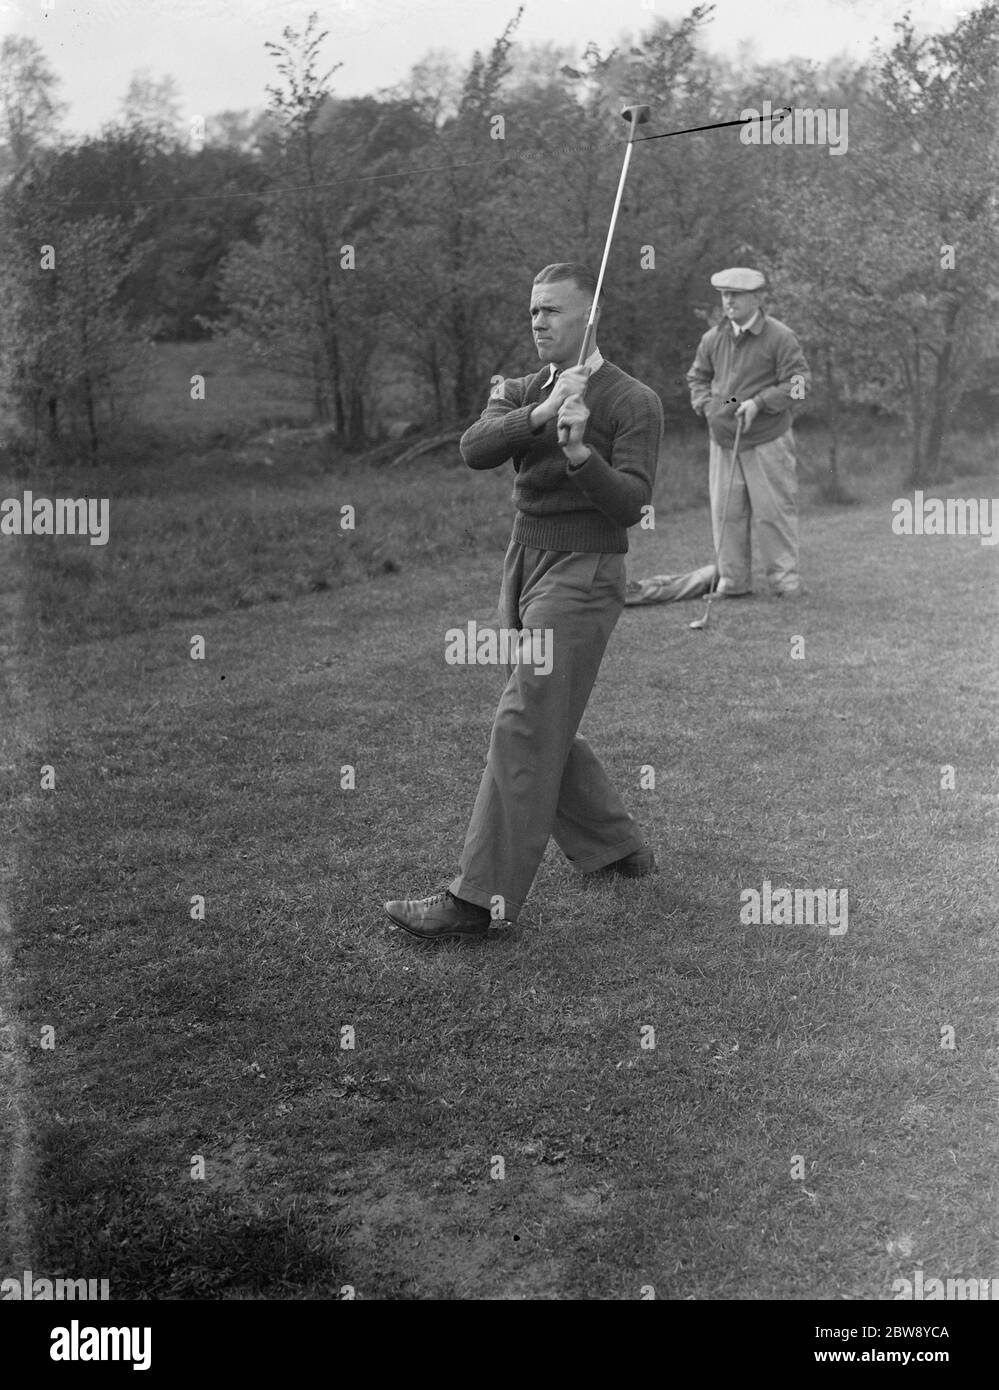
(765, 364)
(559, 506)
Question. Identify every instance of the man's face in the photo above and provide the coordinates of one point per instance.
(740, 305)
(559, 313)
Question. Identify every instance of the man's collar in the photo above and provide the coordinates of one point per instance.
(595, 361)
(755, 325)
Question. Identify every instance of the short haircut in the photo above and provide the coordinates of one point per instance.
(581, 276)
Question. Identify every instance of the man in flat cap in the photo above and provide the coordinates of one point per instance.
(751, 367)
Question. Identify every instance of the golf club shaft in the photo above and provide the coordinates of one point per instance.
(728, 494)
(637, 115)
(585, 350)
(721, 530)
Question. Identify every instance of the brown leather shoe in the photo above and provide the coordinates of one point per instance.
(440, 917)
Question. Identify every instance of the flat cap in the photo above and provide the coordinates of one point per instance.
(738, 278)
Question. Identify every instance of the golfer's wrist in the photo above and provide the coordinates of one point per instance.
(539, 417)
(577, 454)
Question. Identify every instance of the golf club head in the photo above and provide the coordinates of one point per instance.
(637, 115)
(699, 624)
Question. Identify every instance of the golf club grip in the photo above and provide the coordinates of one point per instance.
(584, 352)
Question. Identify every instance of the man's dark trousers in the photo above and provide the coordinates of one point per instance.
(541, 779)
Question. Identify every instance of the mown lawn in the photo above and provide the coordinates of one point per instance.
(372, 1166)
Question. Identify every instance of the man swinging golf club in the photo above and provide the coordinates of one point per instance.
(584, 438)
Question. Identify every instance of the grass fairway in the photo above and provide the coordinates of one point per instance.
(779, 1050)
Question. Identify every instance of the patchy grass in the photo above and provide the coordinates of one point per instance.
(229, 503)
(240, 395)
(181, 1040)
(328, 1165)
(233, 529)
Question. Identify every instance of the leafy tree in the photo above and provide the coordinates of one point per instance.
(291, 294)
(185, 207)
(297, 105)
(938, 163)
(248, 132)
(68, 353)
(904, 323)
(152, 105)
(804, 240)
(29, 110)
(449, 237)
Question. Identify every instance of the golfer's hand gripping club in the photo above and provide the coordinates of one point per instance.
(570, 434)
(572, 420)
(569, 387)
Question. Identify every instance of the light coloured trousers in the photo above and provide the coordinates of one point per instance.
(541, 779)
(764, 491)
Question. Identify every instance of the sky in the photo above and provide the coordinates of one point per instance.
(214, 49)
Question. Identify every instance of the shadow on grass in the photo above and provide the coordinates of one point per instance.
(189, 1241)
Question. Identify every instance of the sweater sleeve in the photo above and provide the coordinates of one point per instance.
(503, 428)
(701, 374)
(621, 489)
(791, 370)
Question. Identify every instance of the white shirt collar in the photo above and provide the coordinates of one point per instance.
(746, 326)
(595, 361)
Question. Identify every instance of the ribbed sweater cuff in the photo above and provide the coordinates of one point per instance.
(517, 427)
(585, 532)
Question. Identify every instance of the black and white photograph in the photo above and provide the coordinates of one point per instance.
(499, 653)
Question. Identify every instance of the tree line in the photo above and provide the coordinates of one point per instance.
(378, 251)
